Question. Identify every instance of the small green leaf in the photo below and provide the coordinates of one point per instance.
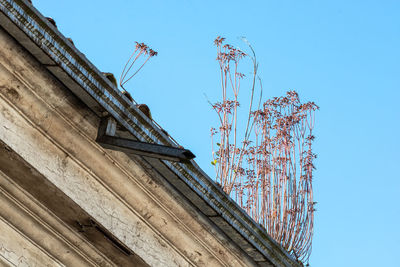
(214, 162)
(218, 144)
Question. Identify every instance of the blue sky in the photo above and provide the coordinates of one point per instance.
(343, 55)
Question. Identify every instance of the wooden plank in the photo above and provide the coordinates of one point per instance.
(107, 139)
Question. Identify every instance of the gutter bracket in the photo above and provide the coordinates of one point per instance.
(106, 137)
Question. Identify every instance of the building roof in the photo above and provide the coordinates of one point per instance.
(34, 32)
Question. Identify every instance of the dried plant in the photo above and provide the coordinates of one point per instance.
(227, 158)
(270, 174)
(141, 49)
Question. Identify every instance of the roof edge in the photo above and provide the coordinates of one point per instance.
(61, 58)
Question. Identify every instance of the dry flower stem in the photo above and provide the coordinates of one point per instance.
(270, 175)
(140, 49)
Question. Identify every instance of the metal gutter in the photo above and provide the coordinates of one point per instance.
(21, 20)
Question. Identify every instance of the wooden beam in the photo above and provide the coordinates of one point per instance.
(107, 139)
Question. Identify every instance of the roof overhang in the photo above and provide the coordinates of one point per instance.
(21, 20)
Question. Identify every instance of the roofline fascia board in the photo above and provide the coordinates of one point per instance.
(104, 99)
